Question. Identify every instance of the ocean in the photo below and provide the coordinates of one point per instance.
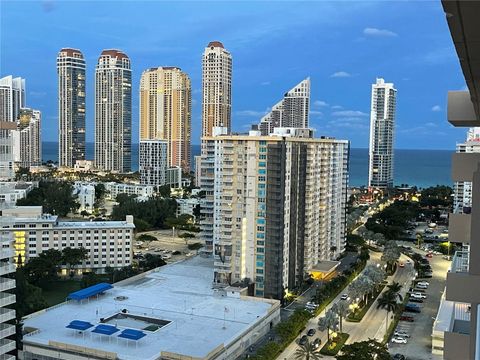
(422, 168)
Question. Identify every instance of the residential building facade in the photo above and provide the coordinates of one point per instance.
(30, 138)
(290, 112)
(274, 206)
(85, 193)
(216, 88)
(108, 242)
(12, 98)
(7, 296)
(71, 106)
(11, 191)
(382, 131)
(113, 112)
(153, 162)
(113, 189)
(165, 112)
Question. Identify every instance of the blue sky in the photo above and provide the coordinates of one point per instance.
(342, 46)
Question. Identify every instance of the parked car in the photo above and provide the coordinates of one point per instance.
(344, 297)
(311, 304)
(316, 343)
(412, 309)
(423, 283)
(399, 357)
(447, 257)
(407, 318)
(415, 300)
(303, 340)
(399, 340)
(422, 287)
(418, 295)
(428, 274)
(311, 332)
(429, 255)
(401, 333)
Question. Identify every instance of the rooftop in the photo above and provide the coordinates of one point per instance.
(215, 44)
(195, 319)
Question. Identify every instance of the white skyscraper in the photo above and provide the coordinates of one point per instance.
(153, 162)
(30, 138)
(382, 129)
(216, 88)
(291, 111)
(113, 112)
(12, 98)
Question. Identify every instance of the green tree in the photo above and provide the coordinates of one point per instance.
(100, 192)
(89, 279)
(56, 197)
(395, 288)
(328, 322)
(341, 309)
(307, 352)
(388, 302)
(73, 256)
(419, 240)
(391, 253)
(365, 350)
(84, 213)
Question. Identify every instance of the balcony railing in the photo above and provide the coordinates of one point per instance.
(7, 269)
(460, 261)
(6, 330)
(6, 284)
(6, 346)
(6, 299)
(6, 314)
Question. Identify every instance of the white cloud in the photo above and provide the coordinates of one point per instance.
(320, 103)
(194, 102)
(337, 107)
(340, 74)
(316, 113)
(436, 108)
(349, 113)
(265, 83)
(37, 93)
(378, 32)
(430, 124)
(251, 113)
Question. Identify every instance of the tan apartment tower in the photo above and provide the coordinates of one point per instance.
(165, 112)
(113, 112)
(216, 88)
(71, 106)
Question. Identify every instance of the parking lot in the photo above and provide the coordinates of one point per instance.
(168, 245)
(419, 344)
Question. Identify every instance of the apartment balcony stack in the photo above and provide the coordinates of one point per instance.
(462, 332)
(7, 298)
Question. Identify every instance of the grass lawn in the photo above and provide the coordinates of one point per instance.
(333, 346)
(56, 291)
(358, 316)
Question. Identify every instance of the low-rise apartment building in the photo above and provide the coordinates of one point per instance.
(114, 189)
(108, 242)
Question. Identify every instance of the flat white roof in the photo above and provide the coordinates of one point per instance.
(201, 318)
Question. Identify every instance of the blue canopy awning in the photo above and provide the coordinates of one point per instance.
(79, 325)
(90, 291)
(132, 334)
(105, 329)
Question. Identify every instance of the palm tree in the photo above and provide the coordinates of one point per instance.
(307, 352)
(329, 321)
(419, 240)
(395, 288)
(342, 310)
(388, 302)
(391, 253)
(366, 286)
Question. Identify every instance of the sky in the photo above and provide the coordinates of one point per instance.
(341, 45)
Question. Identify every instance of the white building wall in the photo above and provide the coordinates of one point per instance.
(153, 162)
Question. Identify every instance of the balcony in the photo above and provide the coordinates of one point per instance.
(6, 253)
(6, 346)
(6, 314)
(6, 284)
(462, 287)
(7, 269)
(7, 357)
(6, 330)
(7, 299)
(461, 112)
(457, 342)
(460, 262)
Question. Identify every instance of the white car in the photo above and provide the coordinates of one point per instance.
(421, 286)
(399, 340)
(401, 333)
(344, 297)
(423, 283)
(311, 305)
(418, 295)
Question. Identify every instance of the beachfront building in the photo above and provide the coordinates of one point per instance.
(29, 142)
(113, 112)
(274, 206)
(290, 112)
(85, 193)
(382, 129)
(168, 313)
(166, 114)
(108, 242)
(216, 88)
(71, 106)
